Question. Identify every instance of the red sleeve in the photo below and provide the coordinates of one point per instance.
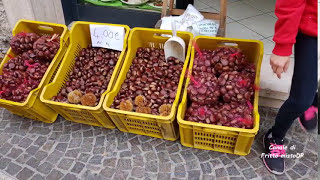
(289, 14)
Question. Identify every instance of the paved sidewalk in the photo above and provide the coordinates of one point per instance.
(65, 150)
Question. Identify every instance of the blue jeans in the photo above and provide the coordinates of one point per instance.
(304, 85)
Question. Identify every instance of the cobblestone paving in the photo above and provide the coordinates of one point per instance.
(65, 150)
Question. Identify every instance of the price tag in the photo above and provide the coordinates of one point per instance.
(208, 28)
(106, 36)
(205, 27)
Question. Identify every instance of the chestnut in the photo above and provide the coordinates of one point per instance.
(150, 79)
(91, 74)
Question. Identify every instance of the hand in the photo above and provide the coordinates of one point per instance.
(279, 64)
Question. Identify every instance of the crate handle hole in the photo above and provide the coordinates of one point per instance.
(228, 44)
(45, 28)
(162, 36)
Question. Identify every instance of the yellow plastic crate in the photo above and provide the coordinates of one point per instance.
(164, 127)
(214, 137)
(32, 107)
(96, 116)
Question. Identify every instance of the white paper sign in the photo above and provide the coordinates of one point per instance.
(205, 27)
(106, 36)
(208, 28)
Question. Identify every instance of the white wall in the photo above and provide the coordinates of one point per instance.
(39, 10)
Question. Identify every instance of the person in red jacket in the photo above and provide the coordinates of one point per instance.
(296, 25)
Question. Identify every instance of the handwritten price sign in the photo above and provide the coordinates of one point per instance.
(208, 28)
(106, 36)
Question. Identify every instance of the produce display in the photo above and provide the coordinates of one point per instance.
(90, 76)
(221, 88)
(151, 83)
(134, 2)
(46, 47)
(205, 89)
(225, 114)
(220, 60)
(23, 73)
(158, 3)
(23, 42)
(236, 87)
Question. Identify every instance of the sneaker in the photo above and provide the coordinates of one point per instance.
(273, 149)
(309, 119)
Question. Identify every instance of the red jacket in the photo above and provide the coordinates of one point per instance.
(293, 16)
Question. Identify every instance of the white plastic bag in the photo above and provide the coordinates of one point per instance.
(184, 22)
(190, 16)
(191, 21)
(166, 23)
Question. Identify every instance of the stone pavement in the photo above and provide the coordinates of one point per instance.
(66, 150)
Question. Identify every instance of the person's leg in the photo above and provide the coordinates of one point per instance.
(303, 87)
(302, 94)
(309, 119)
(315, 101)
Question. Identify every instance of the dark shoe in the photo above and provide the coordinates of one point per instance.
(272, 158)
(309, 119)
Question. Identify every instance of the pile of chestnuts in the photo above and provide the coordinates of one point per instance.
(24, 72)
(90, 76)
(223, 114)
(221, 89)
(151, 83)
